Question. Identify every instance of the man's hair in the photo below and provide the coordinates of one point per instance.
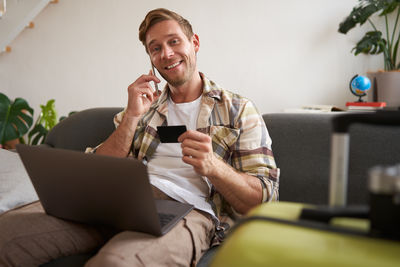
(157, 15)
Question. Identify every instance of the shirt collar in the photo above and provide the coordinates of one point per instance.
(210, 89)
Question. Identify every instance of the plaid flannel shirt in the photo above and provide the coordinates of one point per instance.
(239, 137)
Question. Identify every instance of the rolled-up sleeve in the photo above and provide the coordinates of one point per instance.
(252, 153)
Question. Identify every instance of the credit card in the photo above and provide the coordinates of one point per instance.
(170, 134)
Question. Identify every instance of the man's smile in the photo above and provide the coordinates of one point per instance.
(173, 65)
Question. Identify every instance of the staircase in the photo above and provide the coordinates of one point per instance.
(18, 15)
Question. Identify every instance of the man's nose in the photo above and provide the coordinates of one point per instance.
(167, 52)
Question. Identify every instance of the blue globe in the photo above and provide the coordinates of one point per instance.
(359, 85)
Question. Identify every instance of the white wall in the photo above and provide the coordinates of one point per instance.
(280, 54)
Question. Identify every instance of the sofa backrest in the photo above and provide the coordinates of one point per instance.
(300, 143)
(87, 128)
(301, 147)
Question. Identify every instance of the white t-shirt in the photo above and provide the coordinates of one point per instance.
(169, 173)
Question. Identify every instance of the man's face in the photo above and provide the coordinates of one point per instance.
(171, 52)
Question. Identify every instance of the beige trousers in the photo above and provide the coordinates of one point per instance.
(29, 237)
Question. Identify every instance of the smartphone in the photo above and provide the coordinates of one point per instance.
(154, 73)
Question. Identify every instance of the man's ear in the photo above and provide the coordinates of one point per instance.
(196, 42)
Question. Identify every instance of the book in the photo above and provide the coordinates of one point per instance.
(313, 109)
(365, 105)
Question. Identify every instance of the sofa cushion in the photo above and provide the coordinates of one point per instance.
(15, 186)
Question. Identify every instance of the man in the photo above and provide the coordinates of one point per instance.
(223, 164)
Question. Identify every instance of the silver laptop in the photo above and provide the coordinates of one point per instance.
(96, 189)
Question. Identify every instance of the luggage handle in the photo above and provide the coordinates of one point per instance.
(340, 149)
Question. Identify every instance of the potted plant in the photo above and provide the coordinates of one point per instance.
(386, 83)
(16, 118)
(47, 119)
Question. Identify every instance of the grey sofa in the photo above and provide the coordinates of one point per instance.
(301, 146)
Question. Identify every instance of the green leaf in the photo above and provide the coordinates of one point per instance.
(359, 15)
(48, 116)
(47, 120)
(15, 118)
(372, 43)
(364, 10)
(38, 133)
(389, 6)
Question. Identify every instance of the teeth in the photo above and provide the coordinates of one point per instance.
(173, 65)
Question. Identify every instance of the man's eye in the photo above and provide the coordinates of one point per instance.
(174, 41)
(155, 49)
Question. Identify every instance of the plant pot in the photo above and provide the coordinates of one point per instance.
(11, 144)
(385, 87)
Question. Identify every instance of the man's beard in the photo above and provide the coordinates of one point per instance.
(180, 80)
(177, 81)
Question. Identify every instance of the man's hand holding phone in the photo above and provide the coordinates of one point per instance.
(141, 95)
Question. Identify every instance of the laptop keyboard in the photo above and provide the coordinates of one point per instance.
(165, 218)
